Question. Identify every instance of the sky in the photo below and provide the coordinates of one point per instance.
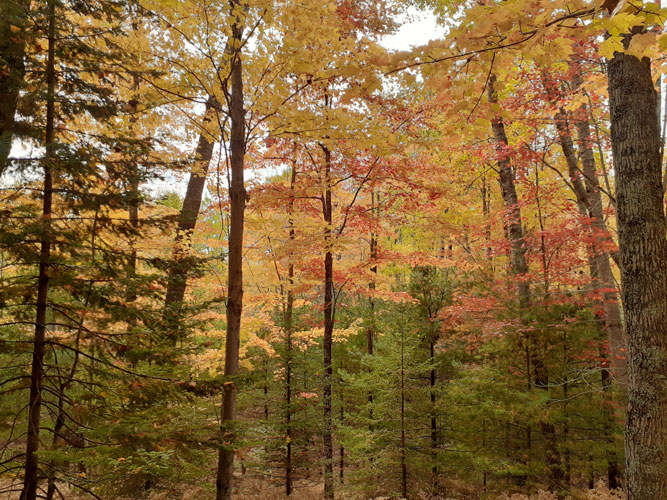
(418, 28)
(421, 29)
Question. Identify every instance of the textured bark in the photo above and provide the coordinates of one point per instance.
(370, 331)
(434, 422)
(238, 197)
(289, 308)
(635, 142)
(404, 467)
(567, 146)
(187, 220)
(519, 267)
(513, 225)
(327, 439)
(31, 471)
(13, 14)
(602, 239)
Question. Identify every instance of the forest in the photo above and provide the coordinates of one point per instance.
(247, 251)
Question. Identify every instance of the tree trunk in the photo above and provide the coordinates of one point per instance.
(635, 142)
(434, 426)
(237, 195)
(328, 328)
(289, 308)
(513, 225)
(14, 14)
(187, 220)
(602, 239)
(404, 467)
(370, 331)
(519, 267)
(31, 472)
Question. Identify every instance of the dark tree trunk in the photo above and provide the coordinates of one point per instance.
(31, 472)
(635, 142)
(513, 225)
(13, 14)
(237, 195)
(289, 308)
(370, 331)
(602, 239)
(187, 220)
(404, 466)
(434, 426)
(328, 328)
(519, 267)
(613, 472)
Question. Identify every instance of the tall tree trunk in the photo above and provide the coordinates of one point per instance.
(370, 331)
(238, 196)
(341, 454)
(602, 240)
(31, 472)
(635, 142)
(289, 308)
(513, 225)
(328, 328)
(434, 423)
(187, 220)
(519, 267)
(14, 16)
(404, 466)
(589, 202)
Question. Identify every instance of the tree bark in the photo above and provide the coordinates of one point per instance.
(289, 308)
(434, 426)
(519, 267)
(635, 142)
(601, 239)
(327, 439)
(404, 466)
(14, 15)
(513, 225)
(238, 196)
(187, 220)
(31, 477)
(370, 331)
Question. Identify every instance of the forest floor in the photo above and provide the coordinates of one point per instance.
(250, 488)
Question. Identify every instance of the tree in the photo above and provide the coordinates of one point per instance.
(13, 37)
(635, 139)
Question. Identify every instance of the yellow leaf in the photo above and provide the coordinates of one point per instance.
(610, 46)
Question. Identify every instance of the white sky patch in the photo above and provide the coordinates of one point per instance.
(419, 28)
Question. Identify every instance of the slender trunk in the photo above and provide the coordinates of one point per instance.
(237, 195)
(486, 210)
(434, 427)
(613, 472)
(14, 14)
(341, 455)
(289, 307)
(328, 329)
(187, 220)
(404, 467)
(514, 232)
(566, 421)
(601, 242)
(635, 142)
(370, 331)
(266, 390)
(133, 218)
(518, 263)
(31, 472)
(567, 146)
